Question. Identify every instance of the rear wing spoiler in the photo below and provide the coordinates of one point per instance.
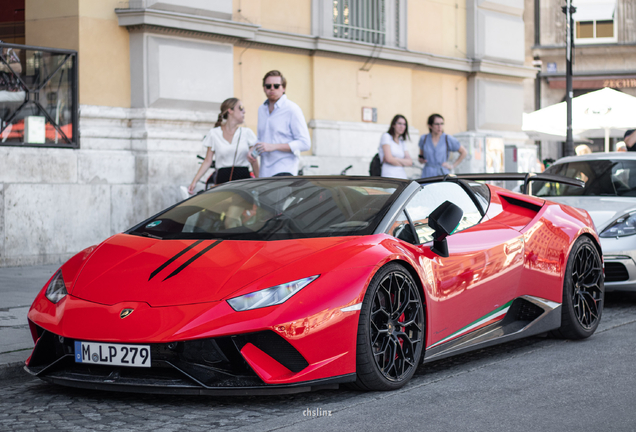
(526, 178)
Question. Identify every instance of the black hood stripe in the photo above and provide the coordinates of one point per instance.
(191, 260)
(171, 260)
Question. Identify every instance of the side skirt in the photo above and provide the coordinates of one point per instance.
(526, 316)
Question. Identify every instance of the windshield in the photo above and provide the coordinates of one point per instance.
(276, 209)
(601, 177)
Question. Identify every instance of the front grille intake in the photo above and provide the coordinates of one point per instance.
(211, 362)
(276, 347)
(615, 272)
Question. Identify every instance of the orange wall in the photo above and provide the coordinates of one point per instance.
(290, 16)
(90, 27)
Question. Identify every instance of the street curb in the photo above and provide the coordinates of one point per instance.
(13, 372)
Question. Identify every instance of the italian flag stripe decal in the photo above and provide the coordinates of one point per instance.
(490, 318)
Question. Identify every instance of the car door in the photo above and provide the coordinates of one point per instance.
(482, 271)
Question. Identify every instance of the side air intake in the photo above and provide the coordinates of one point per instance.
(521, 203)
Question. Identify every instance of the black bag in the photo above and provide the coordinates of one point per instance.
(375, 168)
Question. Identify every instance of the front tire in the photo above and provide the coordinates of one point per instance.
(390, 331)
(583, 292)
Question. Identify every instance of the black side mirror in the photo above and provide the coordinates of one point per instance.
(444, 220)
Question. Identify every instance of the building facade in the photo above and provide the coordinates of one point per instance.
(153, 73)
(604, 54)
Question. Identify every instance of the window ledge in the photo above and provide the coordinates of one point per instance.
(578, 45)
(595, 41)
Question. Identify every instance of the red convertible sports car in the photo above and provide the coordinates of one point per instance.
(291, 284)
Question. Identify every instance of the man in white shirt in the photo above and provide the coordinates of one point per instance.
(282, 130)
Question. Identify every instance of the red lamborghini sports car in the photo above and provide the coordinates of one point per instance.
(290, 284)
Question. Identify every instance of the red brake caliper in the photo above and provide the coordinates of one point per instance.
(401, 319)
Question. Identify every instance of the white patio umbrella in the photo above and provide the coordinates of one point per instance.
(597, 114)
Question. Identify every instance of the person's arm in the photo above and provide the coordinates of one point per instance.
(407, 161)
(300, 133)
(392, 160)
(462, 155)
(455, 145)
(13, 60)
(260, 131)
(269, 147)
(250, 157)
(251, 142)
(421, 157)
(255, 166)
(630, 140)
(16, 67)
(388, 157)
(207, 162)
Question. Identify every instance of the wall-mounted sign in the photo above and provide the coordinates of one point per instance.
(594, 82)
(551, 67)
(34, 130)
(620, 83)
(369, 114)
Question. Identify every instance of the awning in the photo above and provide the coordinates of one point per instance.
(594, 10)
(608, 112)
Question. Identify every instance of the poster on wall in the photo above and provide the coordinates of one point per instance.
(494, 155)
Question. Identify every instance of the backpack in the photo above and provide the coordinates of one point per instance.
(375, 168)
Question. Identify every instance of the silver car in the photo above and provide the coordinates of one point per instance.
(609, 196)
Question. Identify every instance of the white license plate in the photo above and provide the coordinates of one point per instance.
(112, 354)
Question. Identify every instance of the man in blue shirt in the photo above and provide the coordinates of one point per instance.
(282, 130)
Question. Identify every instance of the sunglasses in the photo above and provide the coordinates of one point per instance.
(269, 86)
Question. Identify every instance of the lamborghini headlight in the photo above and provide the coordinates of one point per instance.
(621, 227)
(56, 290)
(269, 296)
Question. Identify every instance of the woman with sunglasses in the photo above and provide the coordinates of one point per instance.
(393, 153)
(229, 144)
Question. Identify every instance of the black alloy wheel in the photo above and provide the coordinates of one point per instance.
(390, 331)
(583, 292)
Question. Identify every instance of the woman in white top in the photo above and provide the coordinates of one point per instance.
(393, 153)
(230, 144)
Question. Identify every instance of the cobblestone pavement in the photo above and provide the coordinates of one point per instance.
(35, 405)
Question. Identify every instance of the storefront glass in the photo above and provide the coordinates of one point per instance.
(38, 96)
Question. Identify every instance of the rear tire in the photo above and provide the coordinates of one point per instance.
(583, 292)
(390, 331)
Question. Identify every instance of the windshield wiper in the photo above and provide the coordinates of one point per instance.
(146, 234)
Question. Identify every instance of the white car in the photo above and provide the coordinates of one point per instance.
(609, 196)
